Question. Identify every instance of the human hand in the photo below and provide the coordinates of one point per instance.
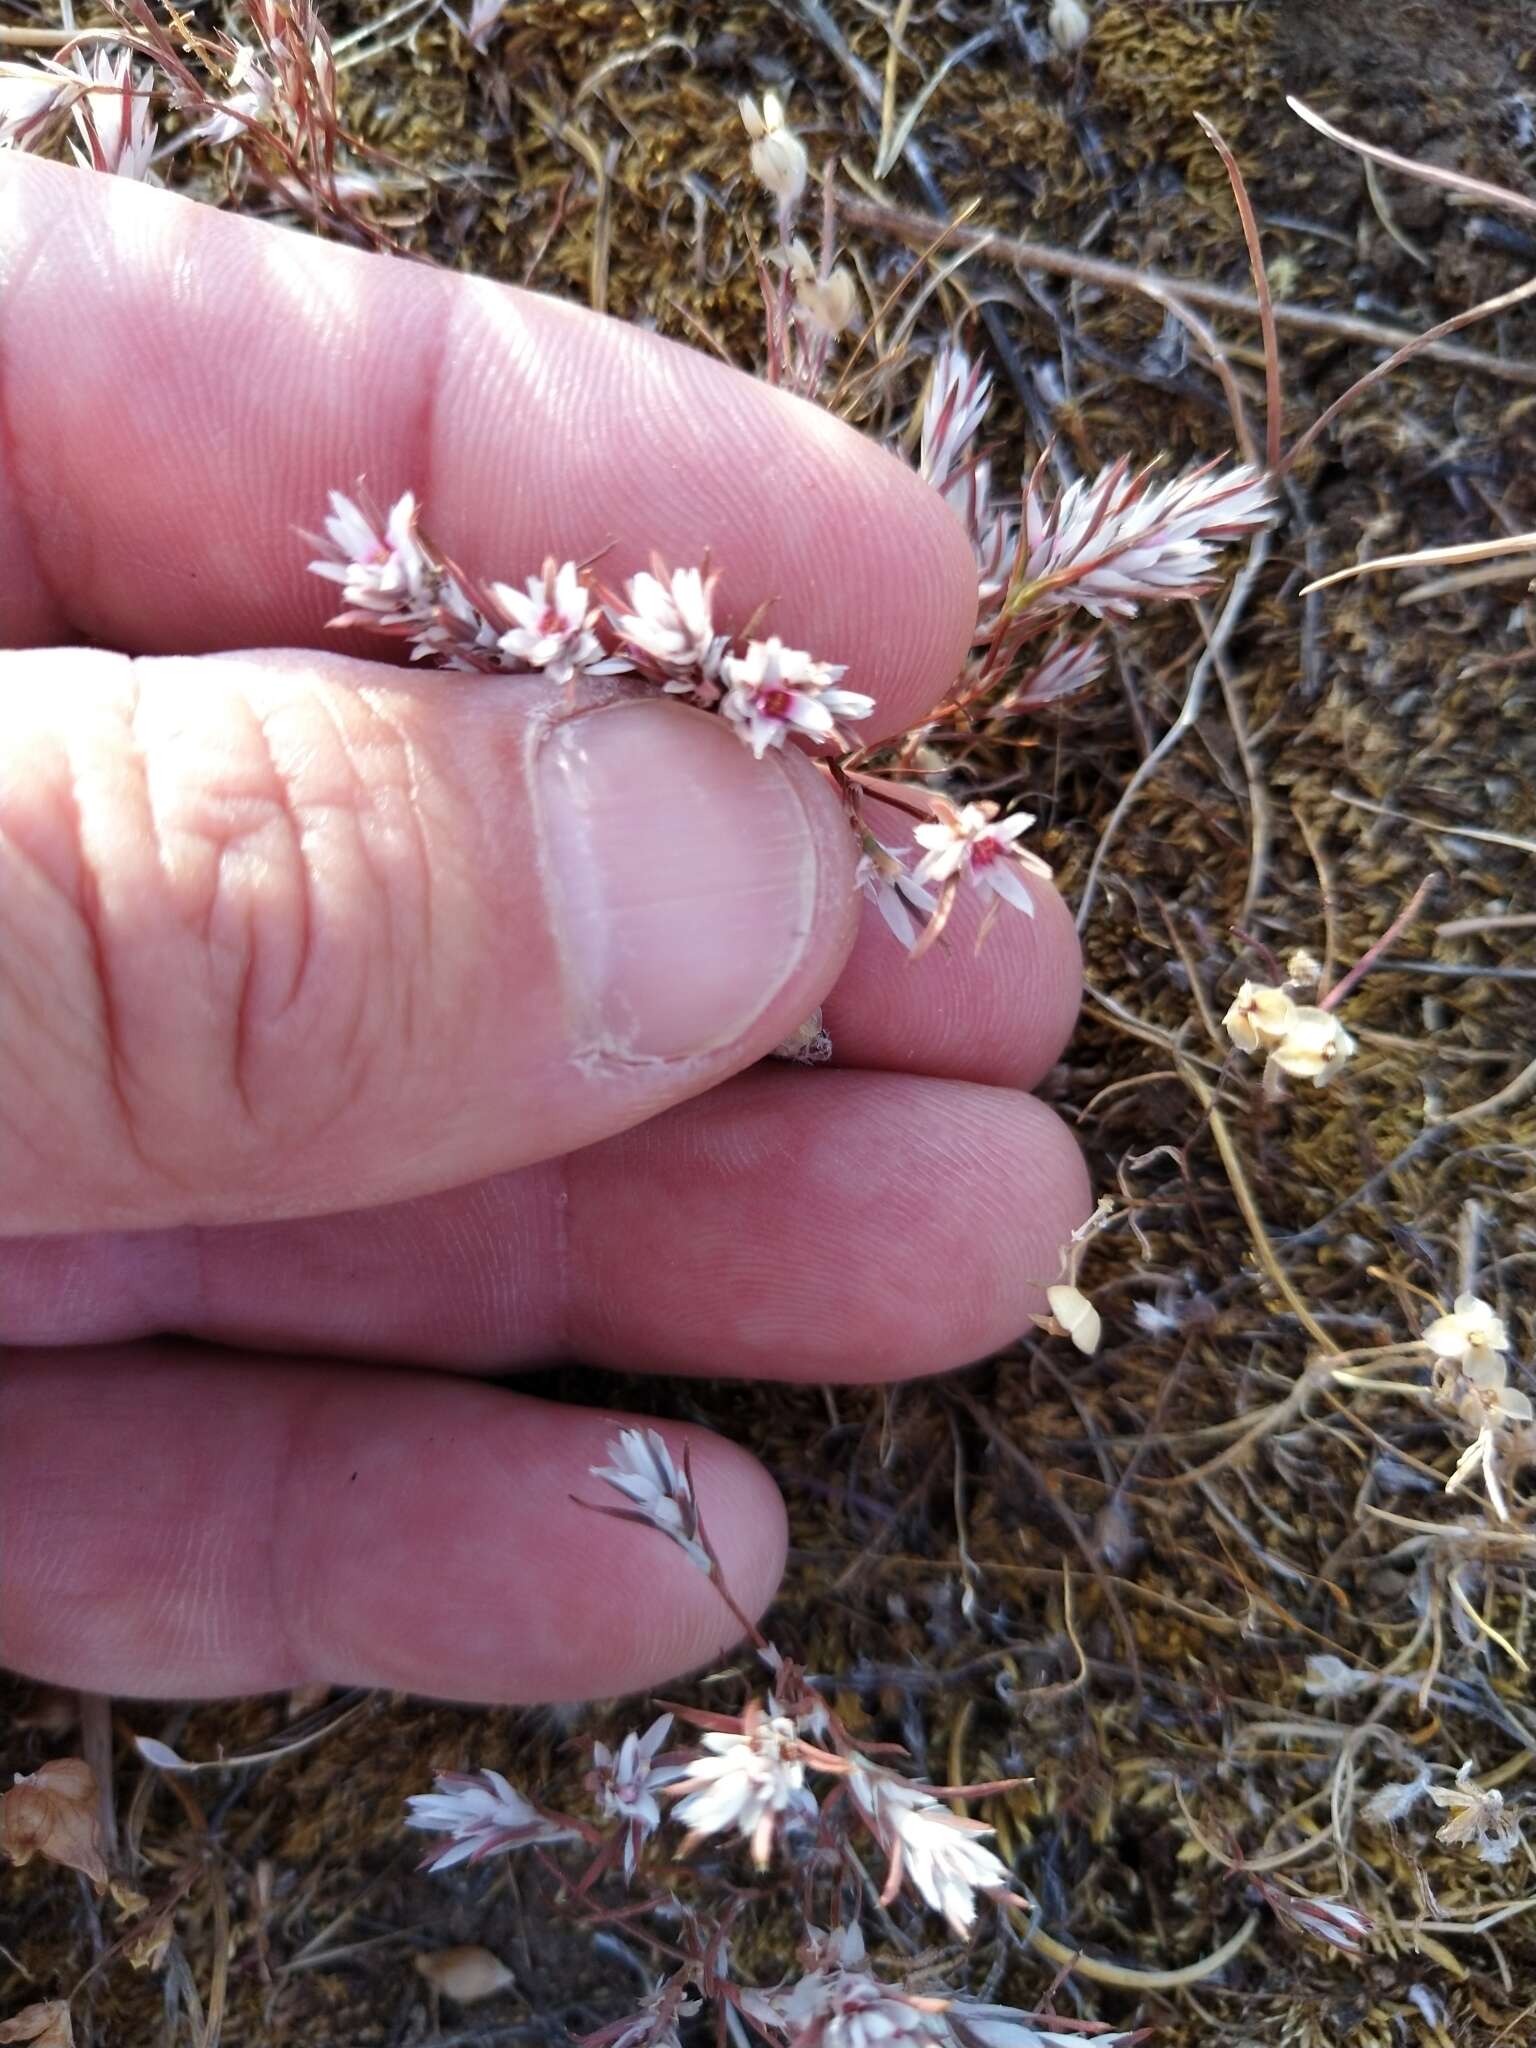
(355, 1018)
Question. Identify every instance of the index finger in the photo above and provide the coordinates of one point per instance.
(181, 388)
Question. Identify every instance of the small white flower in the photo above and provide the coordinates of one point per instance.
(975, 842)
(1470, 1332)
(252, 97)
(642, 1469)
(779, 160)
(773, 690)
(1259, 1017)
(1314, 1047)
(480, 1815)
(382, 570)
(624, 1784)
(552, 619)
(113, 116)
(884, 877)
(1479, 1819)
(753, 1782)
(671, 621)
(941, 1852)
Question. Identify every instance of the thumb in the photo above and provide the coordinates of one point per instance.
(282, 933)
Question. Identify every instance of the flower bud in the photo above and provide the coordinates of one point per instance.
(779, 160)
(1069, 24)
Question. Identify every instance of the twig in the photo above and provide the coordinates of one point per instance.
(1432, 174)
(1332, 997)
(1221, 632)
(1164, 290)
(1326, 418)
(1274, 400)
(1099, 1972)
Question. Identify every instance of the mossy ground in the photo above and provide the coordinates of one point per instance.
(1024, 1569)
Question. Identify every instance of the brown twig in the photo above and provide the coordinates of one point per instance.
(1164, 290)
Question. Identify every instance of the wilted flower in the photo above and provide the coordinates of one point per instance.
(55, 1812)
(1394, 1801)
(1314, 1047)
(941, 1852)
(1470, 1332)
(113, 117)
(808, 1045)
(641, 1468)
(1067, 667)
(1107, 544)
(779, 161)
(1074, 1316)
(830, 303)
(973, 841)
(753, 1782)
(552, 619)
(624, 1784)
(1479, 1818)
(252, 98)
(1259, 1017)
(884, 877)
(483, 17)
(1303, 969)
(670, 622)
(1333, 1921)
(773, 690)
(1488, 1405)
(480, 1815)
(466, 1975)
(46, 2025)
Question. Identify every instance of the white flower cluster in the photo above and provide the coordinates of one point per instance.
(840, 2003)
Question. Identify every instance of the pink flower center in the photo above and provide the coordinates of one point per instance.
(984, 852)
(774, 701)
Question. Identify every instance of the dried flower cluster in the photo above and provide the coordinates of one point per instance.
(1471, 1382)
(1302, 1041)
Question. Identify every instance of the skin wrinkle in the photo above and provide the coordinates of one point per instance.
(12, 292)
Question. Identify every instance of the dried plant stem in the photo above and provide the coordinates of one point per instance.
(1257, 1232)
(1431, 174)
(1165, 290)
(1485, 310)
(1274, 398)
(1334, 996)
(1120, 1974)
(1221, 632)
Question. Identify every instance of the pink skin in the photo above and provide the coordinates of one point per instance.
(291, 1055)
